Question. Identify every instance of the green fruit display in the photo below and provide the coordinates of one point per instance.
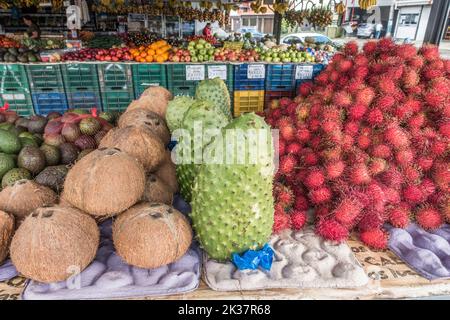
(52, 154)
(28, 142)
(9, 142)
(216, 91)
(32, 159)
(6, 163)
(90, 126)
(176, 110)
(232, 204)
(14, 175)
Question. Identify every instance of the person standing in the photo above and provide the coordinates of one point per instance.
(378, 28)
(33, 30)
(207, 31)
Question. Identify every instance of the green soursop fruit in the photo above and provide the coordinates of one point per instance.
(200, 116)
(232, 204)
(216, 91)
(176, 110)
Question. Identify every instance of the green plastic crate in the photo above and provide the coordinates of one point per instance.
(45, 78)
(146, 75)
(116, 100)
(80, 77)
(14, 89)
(176, 79)
(115, 76)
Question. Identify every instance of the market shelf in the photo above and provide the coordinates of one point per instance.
(45, 78)
(115, 76)
(245, 79)
(248, 101)
(178, 75)
(275, 95)
(84, 100)
(280, 77)
(146, 75)
(80, 77)
(44, 103)
(14, 89)
(116, 100)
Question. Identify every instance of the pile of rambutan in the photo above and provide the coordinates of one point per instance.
(367, 143)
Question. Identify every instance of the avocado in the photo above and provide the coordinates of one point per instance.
(39, 138)
(22, 58)
(13, 51)
(6, 126)
(14, 175)
(69, 152)
(37, 124)
(12, 58)
(22, 122)
(108, 116)
(52, 154)
(28, 142)
(9, 142)
(17, 130)
(32, 159)
(6, 163)
(53, 177)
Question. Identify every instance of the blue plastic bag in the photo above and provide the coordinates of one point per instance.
(252, 259)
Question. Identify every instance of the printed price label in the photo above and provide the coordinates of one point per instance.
(217, 72)
(256, 71)
(12, 97)
(303, 72)
(195, 73)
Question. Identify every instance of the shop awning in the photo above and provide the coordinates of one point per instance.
(409, 3)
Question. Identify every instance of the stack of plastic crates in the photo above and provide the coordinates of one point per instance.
(280, 82)
(248, 88)
(316, 69)
(81, 85)
(14, 89)
(178, 79)
(116, 86)
(47, 88)
(146, 75)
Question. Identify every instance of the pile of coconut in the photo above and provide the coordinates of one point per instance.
(130, 178)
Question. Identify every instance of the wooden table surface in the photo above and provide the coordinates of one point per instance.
(389, 278)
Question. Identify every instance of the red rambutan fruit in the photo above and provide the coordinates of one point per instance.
(441, 85)
(430, 52)
(347, 211)
(439, 147)
(301, 203)
(320, 196)
(357, 111)
(400, 215)
(360, 60)
(281, 147)
(396, 136)
(287, 164)
(294, 148)
(376, 238)
(424, 162)
(370, 47)
(342, 99)
(365, 96)
(283, 195)
(359, 174)
(392, 177)
(417, 121)
(411, 174)
(430, 72)
(386, 85)
(406, 51)
(361, 72)
(441, 175)
(310, 158)
(377, 166)
(331, 230)
(371, 219)
(281, 222)
(287, 132)
(363, 141)
(386, 45)
(416, 62)
(428, 187)
(429, 218)
(404, 157)
(303, 134)
(314, 179)
(347, 141)
(351, 48)
(392, 195)
(352, 127)
(385, 102)
(413, 194)
(314, 124)
(334, 169)
(322, 78)
(305, 88)
(410, 78)
(298, 219)
(381, 151)
(444, 129)
(344, 65)
(329, 126)
(375, 117)
(284, 102)
(283, 122)
(433, 98)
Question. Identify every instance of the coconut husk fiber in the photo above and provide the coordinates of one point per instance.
(24, 196)
(54, 243)
(157, 190)
(167, 172)
(147, 119)
(139, 143)
(153, 99)
(151, 235)
(105, 182)
(6, 233)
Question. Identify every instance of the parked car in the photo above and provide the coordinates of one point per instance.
(254, 33)
(219, 33)
(366, 30)
(301, 39)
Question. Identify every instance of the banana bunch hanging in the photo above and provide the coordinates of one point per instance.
(206, 5)
(280, 8)
(366, 4)
(257, 7)
(320, 17)
(340, 8)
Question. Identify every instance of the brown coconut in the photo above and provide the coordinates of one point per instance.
(155, 99)
(157, 190)
(167, 172)
(105, 182)
(147, 119)
(54, 243)
(150, 235)
(138, 142)
(24, 197)
(6, 233)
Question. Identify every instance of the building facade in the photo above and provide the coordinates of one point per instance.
(245, 17)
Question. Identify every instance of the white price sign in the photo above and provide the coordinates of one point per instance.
(217, 72)
(303, 72)
(195, 73)
(256, 71)
(11, 97)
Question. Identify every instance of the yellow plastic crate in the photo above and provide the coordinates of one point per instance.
(248, 101)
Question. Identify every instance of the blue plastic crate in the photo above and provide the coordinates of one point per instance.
(44, 103)
(317, 68)
(243, 82)
(280, 77)
(84, 100)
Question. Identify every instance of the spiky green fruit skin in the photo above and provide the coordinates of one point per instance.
(210, 117)
(216, 91)
(232, 204)
(176, 109)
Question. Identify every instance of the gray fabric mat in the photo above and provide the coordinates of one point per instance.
(301, 260)
(428, 253)
(7, 271)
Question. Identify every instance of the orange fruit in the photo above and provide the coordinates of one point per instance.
(149, 58)
(143, 54)
(160, 59)
(151, 52)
